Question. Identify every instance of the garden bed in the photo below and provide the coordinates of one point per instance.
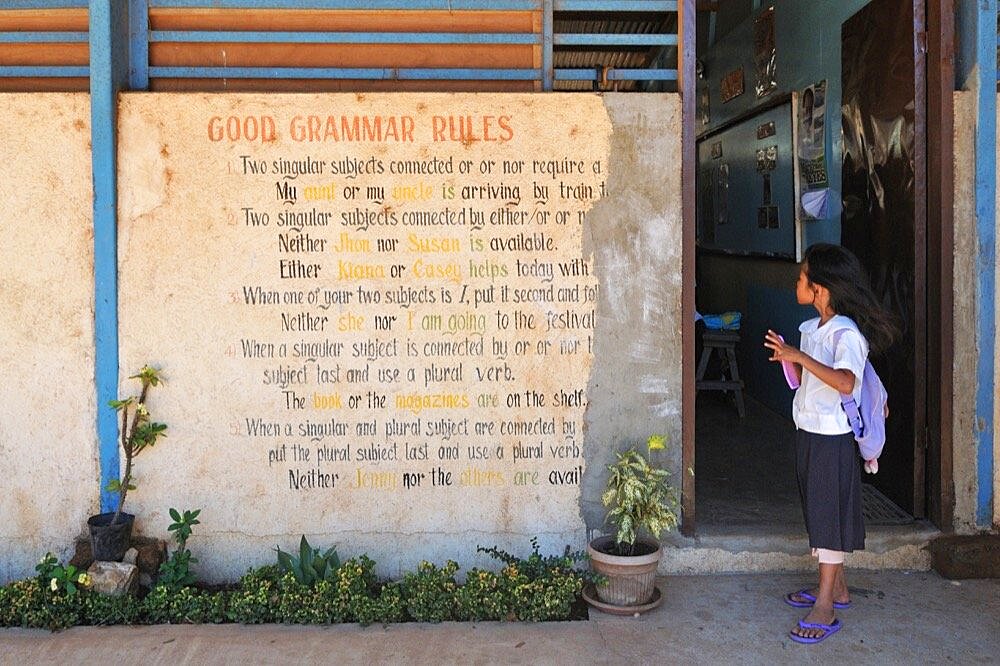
(532, 589)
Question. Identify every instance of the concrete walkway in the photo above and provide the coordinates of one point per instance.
(897, 618)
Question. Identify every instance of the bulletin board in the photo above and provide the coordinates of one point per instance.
(748, 186)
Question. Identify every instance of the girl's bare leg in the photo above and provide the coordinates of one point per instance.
(822, 610)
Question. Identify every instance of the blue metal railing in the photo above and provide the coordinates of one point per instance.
(548, 41)
(50, 4)
(42, 37)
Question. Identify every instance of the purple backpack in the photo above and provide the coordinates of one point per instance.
(867, 419)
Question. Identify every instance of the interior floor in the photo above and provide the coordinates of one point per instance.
(745, 477)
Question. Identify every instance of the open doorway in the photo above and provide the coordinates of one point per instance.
(810, 127)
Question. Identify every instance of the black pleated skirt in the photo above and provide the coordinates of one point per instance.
(829, 476)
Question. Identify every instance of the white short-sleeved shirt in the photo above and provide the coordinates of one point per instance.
(816, 407)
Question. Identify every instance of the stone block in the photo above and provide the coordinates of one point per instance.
(115, 579)
(149, 554)
(131, 555)
(966, 556)
(83, 557)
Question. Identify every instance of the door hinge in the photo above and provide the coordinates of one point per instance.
(922, 42)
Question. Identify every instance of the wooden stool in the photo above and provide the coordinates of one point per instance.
(724, 344)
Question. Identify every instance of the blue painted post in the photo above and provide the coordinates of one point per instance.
(548, 26)
(986, 201)
(108, 74)
(138, 45)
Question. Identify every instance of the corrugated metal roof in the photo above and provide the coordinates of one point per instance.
(615, 57)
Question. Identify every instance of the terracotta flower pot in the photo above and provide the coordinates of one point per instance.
(631, 580)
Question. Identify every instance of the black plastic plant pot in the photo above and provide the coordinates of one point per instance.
(110, 541)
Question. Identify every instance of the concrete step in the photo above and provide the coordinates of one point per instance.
(755, 550)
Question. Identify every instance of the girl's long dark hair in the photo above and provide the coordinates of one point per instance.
(837, 269)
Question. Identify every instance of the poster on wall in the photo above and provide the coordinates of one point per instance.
(764, 53)
(387, 296)
(811, 150)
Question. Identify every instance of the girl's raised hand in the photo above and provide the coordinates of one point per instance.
(779, 350)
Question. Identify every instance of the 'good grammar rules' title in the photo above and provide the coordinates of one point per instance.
(361, 128)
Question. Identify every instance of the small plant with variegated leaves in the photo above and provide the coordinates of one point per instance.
(639, 497)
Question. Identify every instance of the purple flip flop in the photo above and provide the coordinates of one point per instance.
(827, 629)
(810, 600)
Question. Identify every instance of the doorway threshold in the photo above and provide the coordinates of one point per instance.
(762, 548)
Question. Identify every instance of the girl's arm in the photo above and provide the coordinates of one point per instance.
(840, 379)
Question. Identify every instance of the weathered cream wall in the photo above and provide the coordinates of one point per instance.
(47, 412)
(589, 360)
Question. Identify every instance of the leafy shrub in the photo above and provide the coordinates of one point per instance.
(482, 598)
(354, 583)
(104, 610)
(255, 601)
(175, 572)
(298, 603)
(186, 605)
(543, 599)
(429, 593)
(387, 607)
(338, 599)
(536, 588)
(30, 604)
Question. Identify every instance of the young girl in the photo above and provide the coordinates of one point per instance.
(827, 460)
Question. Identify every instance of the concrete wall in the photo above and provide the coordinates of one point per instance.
(48, 440)
(966, 357)
(600, 362)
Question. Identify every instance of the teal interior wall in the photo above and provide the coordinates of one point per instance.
(807, 44)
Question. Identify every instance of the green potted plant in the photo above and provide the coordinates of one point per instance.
(642, 505)
(111, 533)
